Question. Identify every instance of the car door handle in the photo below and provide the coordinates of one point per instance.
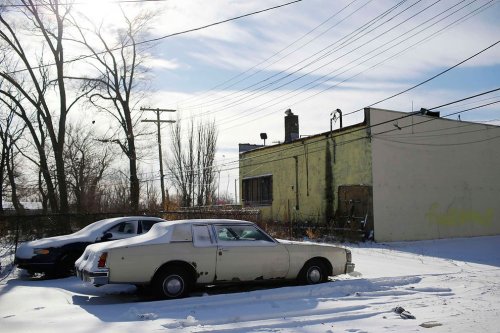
(221, 249)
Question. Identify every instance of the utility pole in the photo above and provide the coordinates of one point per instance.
(158, 122)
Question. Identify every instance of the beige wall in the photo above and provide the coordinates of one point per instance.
(434, 179)
(350, 151)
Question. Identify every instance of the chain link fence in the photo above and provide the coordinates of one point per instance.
(15, 229)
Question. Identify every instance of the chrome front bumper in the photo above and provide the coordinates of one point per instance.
(349, 267)
(96, 278)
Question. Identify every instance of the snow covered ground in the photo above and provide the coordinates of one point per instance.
(448, 285)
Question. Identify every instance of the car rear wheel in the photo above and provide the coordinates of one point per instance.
(313, 272)
(172, 283)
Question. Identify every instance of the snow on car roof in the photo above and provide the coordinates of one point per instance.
(87, 234)
(102, 225)
(159, 233)
(206, 221)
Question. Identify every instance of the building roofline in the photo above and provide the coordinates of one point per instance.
(310, 137)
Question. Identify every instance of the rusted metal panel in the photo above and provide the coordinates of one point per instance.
(355, 209)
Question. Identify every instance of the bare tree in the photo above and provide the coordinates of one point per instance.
(116, 194)
(152, 200)
(206, 148)
(35, 73)
(192, 163)
(10, 133)
(179, 165)
(118, 67)
(87, 161)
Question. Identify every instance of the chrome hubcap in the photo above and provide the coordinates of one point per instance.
(314, 275)
(173, 285)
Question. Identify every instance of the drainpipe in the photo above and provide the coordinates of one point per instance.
(296, 182)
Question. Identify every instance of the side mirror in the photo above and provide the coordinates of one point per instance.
(107, 236)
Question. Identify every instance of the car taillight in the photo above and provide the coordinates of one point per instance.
(102, 260)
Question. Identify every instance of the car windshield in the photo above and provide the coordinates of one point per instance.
(93, 227)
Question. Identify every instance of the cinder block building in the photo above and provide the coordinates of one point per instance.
(398, 176)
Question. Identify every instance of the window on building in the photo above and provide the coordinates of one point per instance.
(258, 191)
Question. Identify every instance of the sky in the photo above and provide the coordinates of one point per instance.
(312, 56)
(316, 56)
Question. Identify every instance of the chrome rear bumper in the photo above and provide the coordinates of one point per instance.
(96, 278)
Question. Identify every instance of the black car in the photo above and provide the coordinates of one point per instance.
(56, 256)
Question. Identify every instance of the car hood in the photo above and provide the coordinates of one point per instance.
(290, 243)
(25, 250)
(89, 234)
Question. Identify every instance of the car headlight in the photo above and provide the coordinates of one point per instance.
(41, 251)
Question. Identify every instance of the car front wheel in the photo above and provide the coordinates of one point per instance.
(172, 283)
(313, 272)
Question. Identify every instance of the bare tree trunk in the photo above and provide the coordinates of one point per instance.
(10, 133)
(33, 88)
(86, 164)
(114, 84)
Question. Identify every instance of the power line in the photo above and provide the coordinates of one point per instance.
(364, 128)
(431, 78)
(279, 52)
(346, 142)
(464, 99)
(433, 119)
(426, 38)
(351, 77)
(165, 36)
(327, 76)
(220, 22)
(343, 143)
(80, 3)
(314, 58)
(413, 87)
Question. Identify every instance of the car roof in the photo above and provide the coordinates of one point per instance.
(205, 221)
(109, 222)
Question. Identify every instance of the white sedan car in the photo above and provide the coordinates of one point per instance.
(175, 256)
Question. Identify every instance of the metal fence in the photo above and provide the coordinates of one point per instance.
(19, 228)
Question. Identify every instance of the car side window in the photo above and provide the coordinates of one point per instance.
(124, 228)
(239, 233)
(201, 236)
(145, 226)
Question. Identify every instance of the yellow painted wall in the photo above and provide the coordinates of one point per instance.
(351, 152)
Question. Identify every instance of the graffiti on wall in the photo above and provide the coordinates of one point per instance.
(456, 216)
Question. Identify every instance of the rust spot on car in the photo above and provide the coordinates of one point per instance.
(194, 264)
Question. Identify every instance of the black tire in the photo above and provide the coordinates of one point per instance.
(313, 272)
(172, 282)
(65, 266)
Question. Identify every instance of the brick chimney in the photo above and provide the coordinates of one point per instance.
(291, 126)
